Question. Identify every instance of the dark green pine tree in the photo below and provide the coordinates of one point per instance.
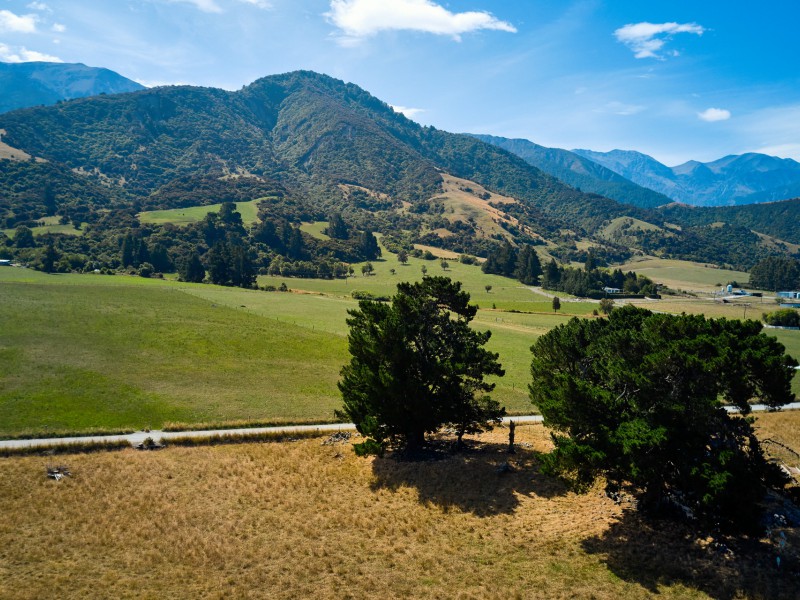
(218, 264)
(192, 269)
(367, 246)
(242, 272)
(503, 261)
(529, 269)
(552, 275)
(337, 228)
(50, 257)
(128, 250)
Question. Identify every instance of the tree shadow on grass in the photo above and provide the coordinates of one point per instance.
(655, 553)
(482, 479)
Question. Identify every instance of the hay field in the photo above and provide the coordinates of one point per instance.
(302, 519)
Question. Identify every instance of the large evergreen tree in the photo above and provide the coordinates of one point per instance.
(417, 365)
(528, 268)
(637, 397)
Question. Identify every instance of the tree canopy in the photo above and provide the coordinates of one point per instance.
(418, 365)
(638, 398)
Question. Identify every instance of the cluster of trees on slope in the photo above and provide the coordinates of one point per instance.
(777, 274)
(778, 219)
(633, 398)
(524, 265)
(30, 190)
(218, 246)
(733, 246)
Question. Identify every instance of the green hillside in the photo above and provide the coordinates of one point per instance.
(319, 149)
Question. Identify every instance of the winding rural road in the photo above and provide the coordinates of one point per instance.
(139, 436)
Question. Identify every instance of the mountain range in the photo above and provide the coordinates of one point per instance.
(330, 147)
(734, 179)
(626, 176)
(580, 172)
(43, 83)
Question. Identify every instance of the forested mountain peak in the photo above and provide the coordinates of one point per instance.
(319, 146)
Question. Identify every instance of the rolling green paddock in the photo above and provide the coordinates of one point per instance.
(79, 352)
(192, 214)
(88, 355)
(681, 274)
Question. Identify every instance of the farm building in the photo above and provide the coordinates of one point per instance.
(792, 295)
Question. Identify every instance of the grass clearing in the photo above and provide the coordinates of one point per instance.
(49, 225)
(302, 519)
(315, 229)
(193, 214)
(685, 275)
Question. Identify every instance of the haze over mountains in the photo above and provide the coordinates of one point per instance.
(42, 83)
(639, 179)
(580, 172)
(742, 179)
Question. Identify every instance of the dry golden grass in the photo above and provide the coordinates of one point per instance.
(7, 152)
(302, 519)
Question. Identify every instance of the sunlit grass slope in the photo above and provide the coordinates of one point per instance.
(192, 214)
(89, 355)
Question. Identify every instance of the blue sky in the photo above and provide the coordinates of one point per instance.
(675, 79)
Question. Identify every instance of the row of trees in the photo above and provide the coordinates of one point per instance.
(776, 273)
(520, 263)
(634, 398)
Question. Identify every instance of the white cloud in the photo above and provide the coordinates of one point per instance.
(648, 39)
(59, 28)
(408, 112)
(714, 114)
(9, 22)
(258, 3)
(22, 55)
(209, 6)
(40, 6)
(359, 19)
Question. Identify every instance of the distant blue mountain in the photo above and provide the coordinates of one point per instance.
(41, 83)
(733, 180)
(580, 172)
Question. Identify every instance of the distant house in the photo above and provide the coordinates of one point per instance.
(610, 290)
(792, 295)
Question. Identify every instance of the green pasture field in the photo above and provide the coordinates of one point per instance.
(49, 225)
(315, 229)
(96, 351)
(685, 275)
(193, 214)
(82, 352)
(91, 351)
(506, 294)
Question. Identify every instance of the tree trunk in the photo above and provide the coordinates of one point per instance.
(415, 439)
